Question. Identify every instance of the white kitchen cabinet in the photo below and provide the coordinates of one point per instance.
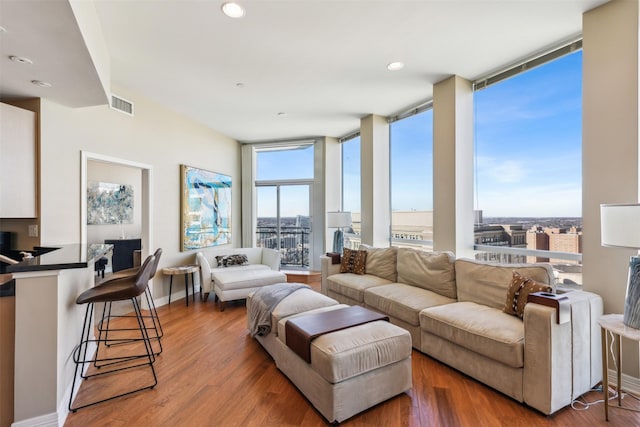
(18, 191)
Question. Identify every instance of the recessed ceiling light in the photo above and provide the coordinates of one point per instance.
(41, 83)
(239, 84)
(395, 66)
(232, 10)
(282, 113)
(20, 59)
(3, 30)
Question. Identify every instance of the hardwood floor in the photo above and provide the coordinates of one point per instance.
(211, 373)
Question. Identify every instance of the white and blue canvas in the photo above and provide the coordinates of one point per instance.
(206, 208)
(109, 203)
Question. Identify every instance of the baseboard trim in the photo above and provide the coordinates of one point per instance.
(175, 296)
(48, 420)
(629, 383)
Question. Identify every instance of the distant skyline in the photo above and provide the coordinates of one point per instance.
(528, 143)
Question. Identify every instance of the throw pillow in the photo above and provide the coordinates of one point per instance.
(519, 290)
(353, 261)
(231, 260)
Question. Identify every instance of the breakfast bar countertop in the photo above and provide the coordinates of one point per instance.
(62, 257)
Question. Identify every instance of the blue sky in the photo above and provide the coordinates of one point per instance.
(528, 150)
(528, 142)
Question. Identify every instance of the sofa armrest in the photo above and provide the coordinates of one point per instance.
(327, 269)
(271, 258)
(562, 361)
(206, 284)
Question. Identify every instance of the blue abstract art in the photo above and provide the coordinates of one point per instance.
(205, 208)
(109, 203)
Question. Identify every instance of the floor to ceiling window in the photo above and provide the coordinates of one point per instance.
(284, 178)
(411, 172)
(528, 157)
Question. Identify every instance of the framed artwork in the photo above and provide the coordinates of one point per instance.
(109, 203)
(205, 208)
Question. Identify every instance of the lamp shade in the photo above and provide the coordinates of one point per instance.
(620, 225)
(338, 219)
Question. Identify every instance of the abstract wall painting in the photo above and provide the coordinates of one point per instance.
(109, 203)
(205, 214)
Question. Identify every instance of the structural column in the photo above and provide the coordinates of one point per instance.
(374, 164)
(453, 166)
(609, 146)
(331, 191)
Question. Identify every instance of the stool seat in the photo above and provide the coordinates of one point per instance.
(115, 290)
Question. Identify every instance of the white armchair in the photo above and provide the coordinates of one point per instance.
(258, 259)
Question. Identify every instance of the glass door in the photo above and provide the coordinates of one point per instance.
(284, 222)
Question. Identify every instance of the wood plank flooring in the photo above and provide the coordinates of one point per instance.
(211, 373)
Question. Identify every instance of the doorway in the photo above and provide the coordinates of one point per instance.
(146, 199)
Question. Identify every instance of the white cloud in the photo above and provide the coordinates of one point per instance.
(501, 171)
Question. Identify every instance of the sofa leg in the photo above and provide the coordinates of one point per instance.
(222, 304)
(215, 297)
(204, 296)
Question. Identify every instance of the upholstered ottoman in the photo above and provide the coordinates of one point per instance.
(351, 369)
(238, 284)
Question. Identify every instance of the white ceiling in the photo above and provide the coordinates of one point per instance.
(321, 62)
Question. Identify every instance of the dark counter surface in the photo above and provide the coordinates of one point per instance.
(61, 257)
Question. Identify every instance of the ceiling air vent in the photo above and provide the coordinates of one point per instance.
(122, 105)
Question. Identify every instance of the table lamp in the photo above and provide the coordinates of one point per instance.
(620, 227)
(338, 220)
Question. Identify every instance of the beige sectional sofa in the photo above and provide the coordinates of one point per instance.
(453, 309)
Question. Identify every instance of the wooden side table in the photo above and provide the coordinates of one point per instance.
(186, 270)
(613, 323)
(311, 278)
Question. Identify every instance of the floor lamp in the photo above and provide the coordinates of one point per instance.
(620, 227)
(338, 220)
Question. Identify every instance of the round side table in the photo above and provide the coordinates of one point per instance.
(186, 270)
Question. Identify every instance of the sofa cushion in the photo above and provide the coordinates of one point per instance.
(487, 283)
(353, 261)
(479, 328)
(434, 271)
(519, 290)
(353, 285)
(402, 301)
(381, 262)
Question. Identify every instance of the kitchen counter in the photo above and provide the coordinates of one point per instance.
(62, 257)
(48, 323)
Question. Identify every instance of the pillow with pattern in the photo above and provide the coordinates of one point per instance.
(231, 260)
(519, 290)
(353, 261)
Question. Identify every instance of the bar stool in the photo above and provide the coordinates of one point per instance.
(155, 319)
(122, 289)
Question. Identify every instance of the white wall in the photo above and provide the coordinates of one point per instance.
(155, 136)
